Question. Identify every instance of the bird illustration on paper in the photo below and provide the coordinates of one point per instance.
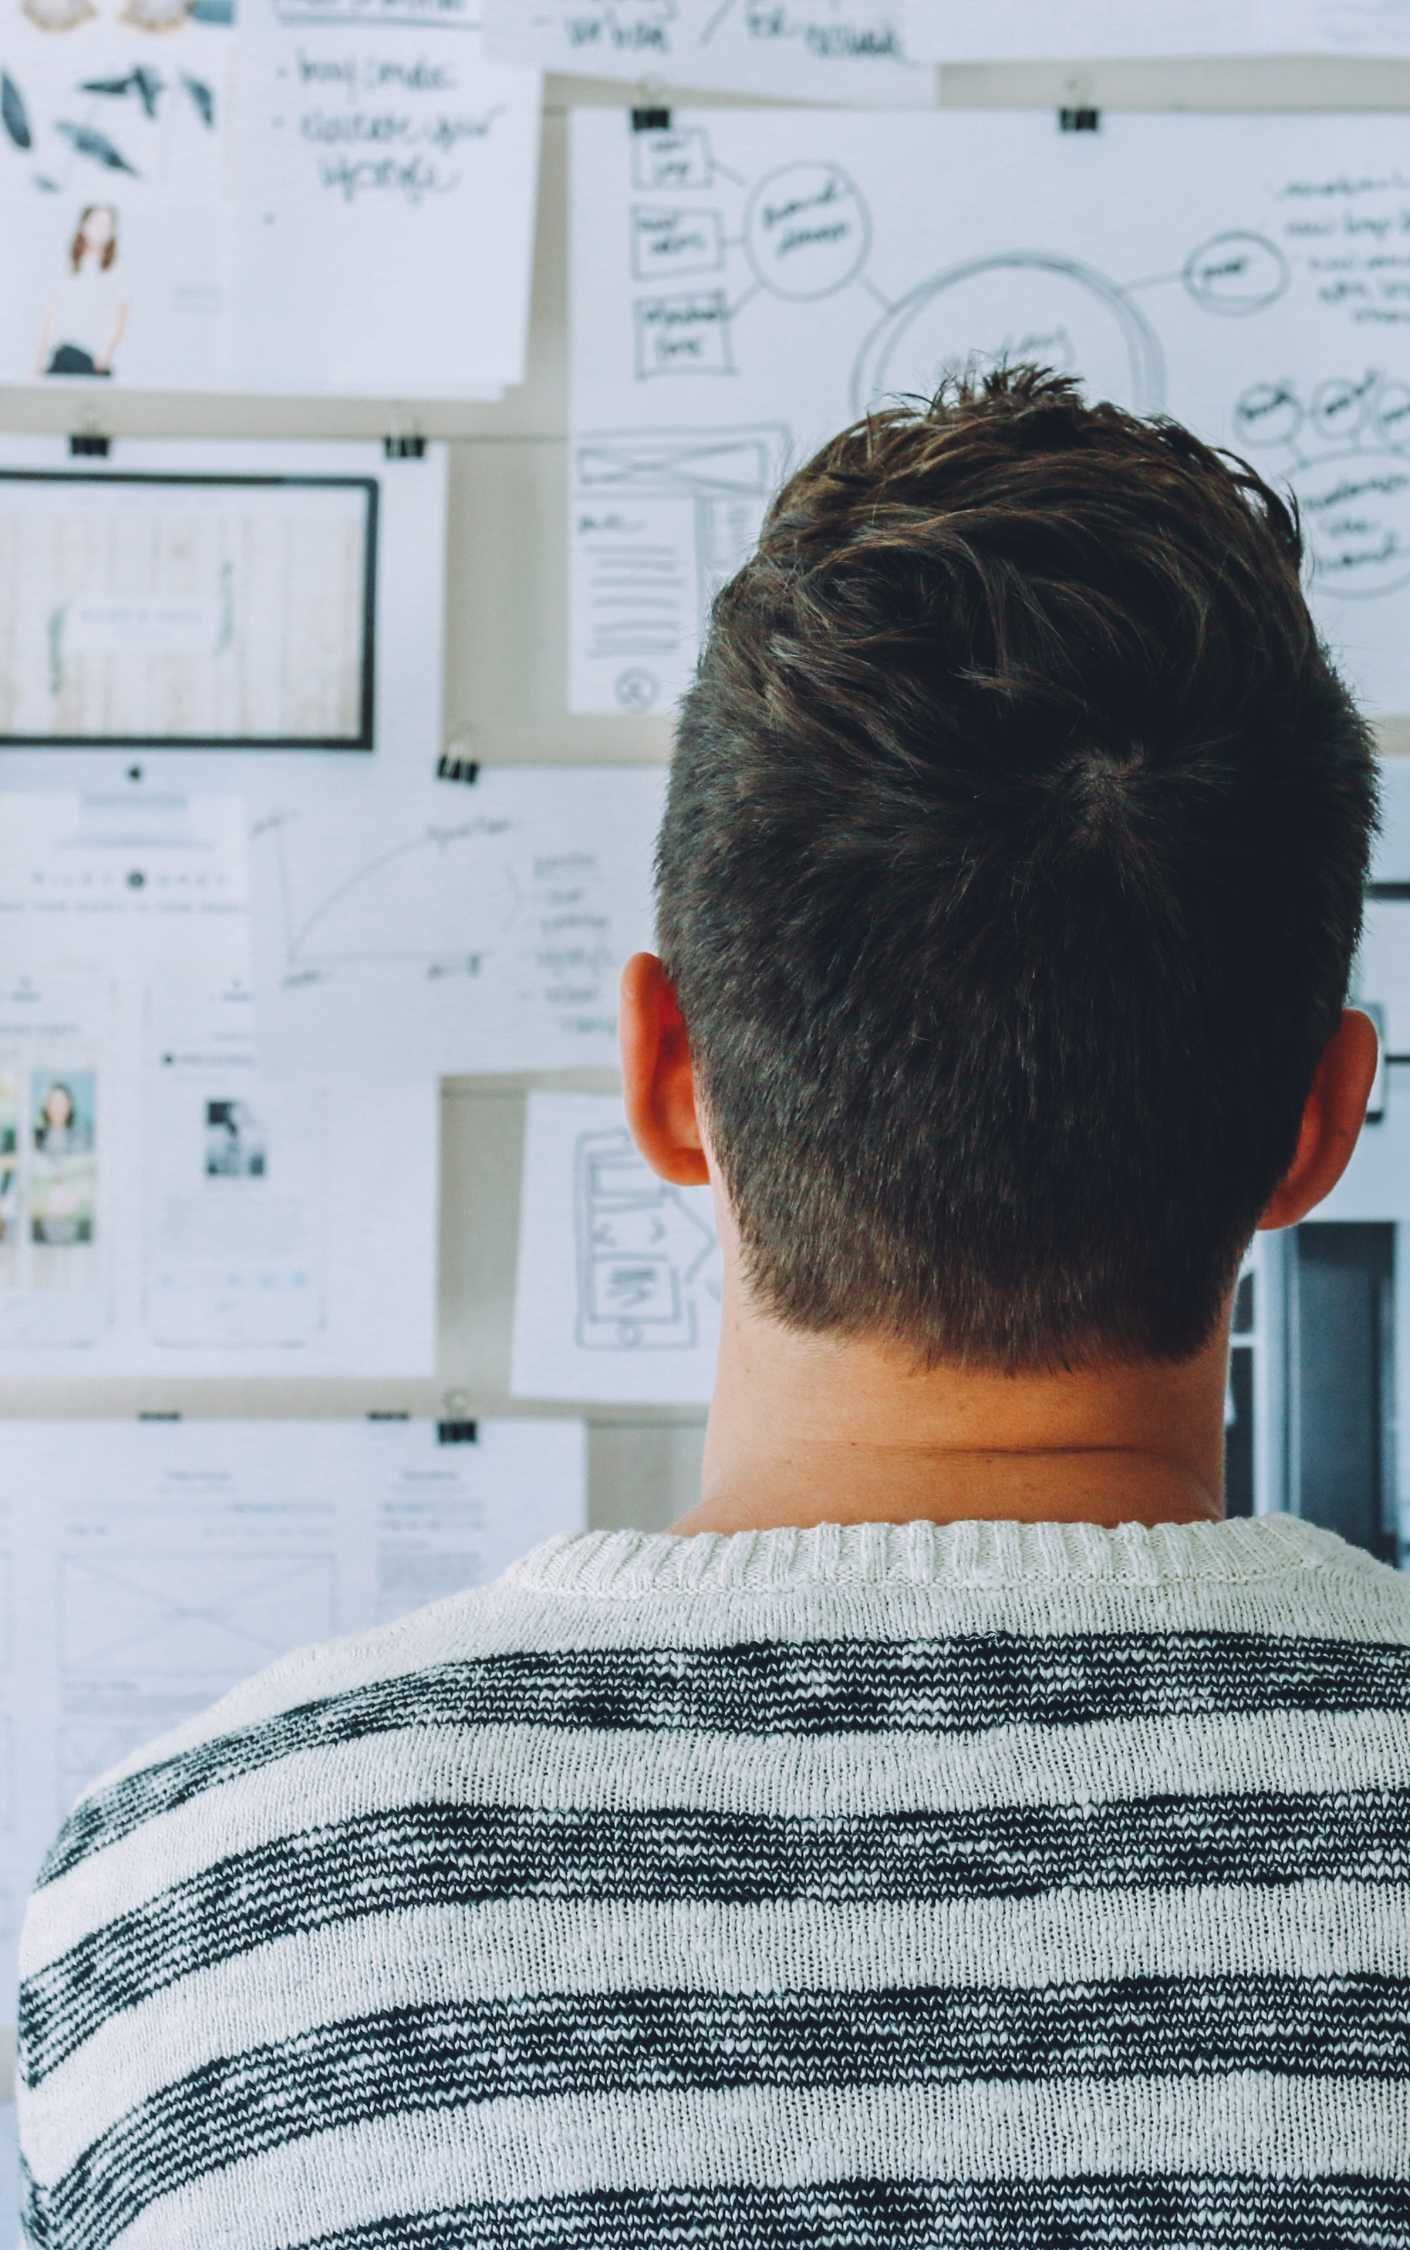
(142, 82)
(87, 142)
(202, 96)
(13, 113)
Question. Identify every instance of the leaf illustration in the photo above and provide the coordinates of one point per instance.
(13, 113)
(97, 145)
(203, 98)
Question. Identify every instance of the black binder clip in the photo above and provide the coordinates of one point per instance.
(158, 1414)
(1079, 120)
(87, 445)
(651, 121)
(404, 448)
(449, 767)
(457, 1433)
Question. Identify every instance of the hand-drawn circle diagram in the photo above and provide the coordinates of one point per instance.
(1355, 511)
(1353, 491)
(807, 231)
(1236, 274)
(1024, 305)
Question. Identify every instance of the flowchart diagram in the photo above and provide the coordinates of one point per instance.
(746, 283)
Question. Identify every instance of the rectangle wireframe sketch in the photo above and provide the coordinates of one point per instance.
(660, 521)
(187, 611)
(618, 1286)
(149, 1568)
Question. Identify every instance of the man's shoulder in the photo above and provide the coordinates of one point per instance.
(264, 1757)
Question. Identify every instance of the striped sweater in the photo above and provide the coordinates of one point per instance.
(878, 1888)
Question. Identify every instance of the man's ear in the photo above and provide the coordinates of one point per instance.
(1331, 1121)
(659, 1077)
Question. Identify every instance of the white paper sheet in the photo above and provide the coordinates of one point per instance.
(115, 204)
(793, 50)
(452, 927)
(368, 231)
(1016, 30)
(388, 183)
(618, 1291)
(165, 1206)
(146, 1568)
(746, 282)
(221, 603)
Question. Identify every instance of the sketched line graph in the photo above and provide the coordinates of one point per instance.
(448, 891)
(191, 1613)
(646, 1251)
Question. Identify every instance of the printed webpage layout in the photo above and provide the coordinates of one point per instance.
(790, 50)
(216, 599)
(618, 1293)
(1059, 30)
(167, 1206)
(452, 927)
(746, 282)
(209, 199)
(148, 1568)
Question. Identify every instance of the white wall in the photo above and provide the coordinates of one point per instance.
(505, 669)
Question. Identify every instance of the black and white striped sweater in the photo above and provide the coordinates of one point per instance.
(879, 1888)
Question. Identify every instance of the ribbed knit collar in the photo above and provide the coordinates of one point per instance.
(623, 1564)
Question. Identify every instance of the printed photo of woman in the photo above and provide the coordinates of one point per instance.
(86, 317)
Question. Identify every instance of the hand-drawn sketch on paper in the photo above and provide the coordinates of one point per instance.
(618, 1294)
(747, 282)
(792, 50)
(646, 1251)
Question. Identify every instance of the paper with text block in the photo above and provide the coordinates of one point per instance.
(747, 282)
(166, 1204)
(792, 50)
(389, 177)
(146, 1568)
(1021, 30)
(453, 927)
(618, 1291)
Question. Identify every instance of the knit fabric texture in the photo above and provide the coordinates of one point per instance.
(871, 1888)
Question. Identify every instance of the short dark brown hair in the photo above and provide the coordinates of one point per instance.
(1011, 877)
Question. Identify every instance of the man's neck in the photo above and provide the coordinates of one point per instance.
(813, 1429)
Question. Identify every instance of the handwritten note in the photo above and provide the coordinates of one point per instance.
(390, 176)
(746, 282)
(804, 50)
(1009, 30)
